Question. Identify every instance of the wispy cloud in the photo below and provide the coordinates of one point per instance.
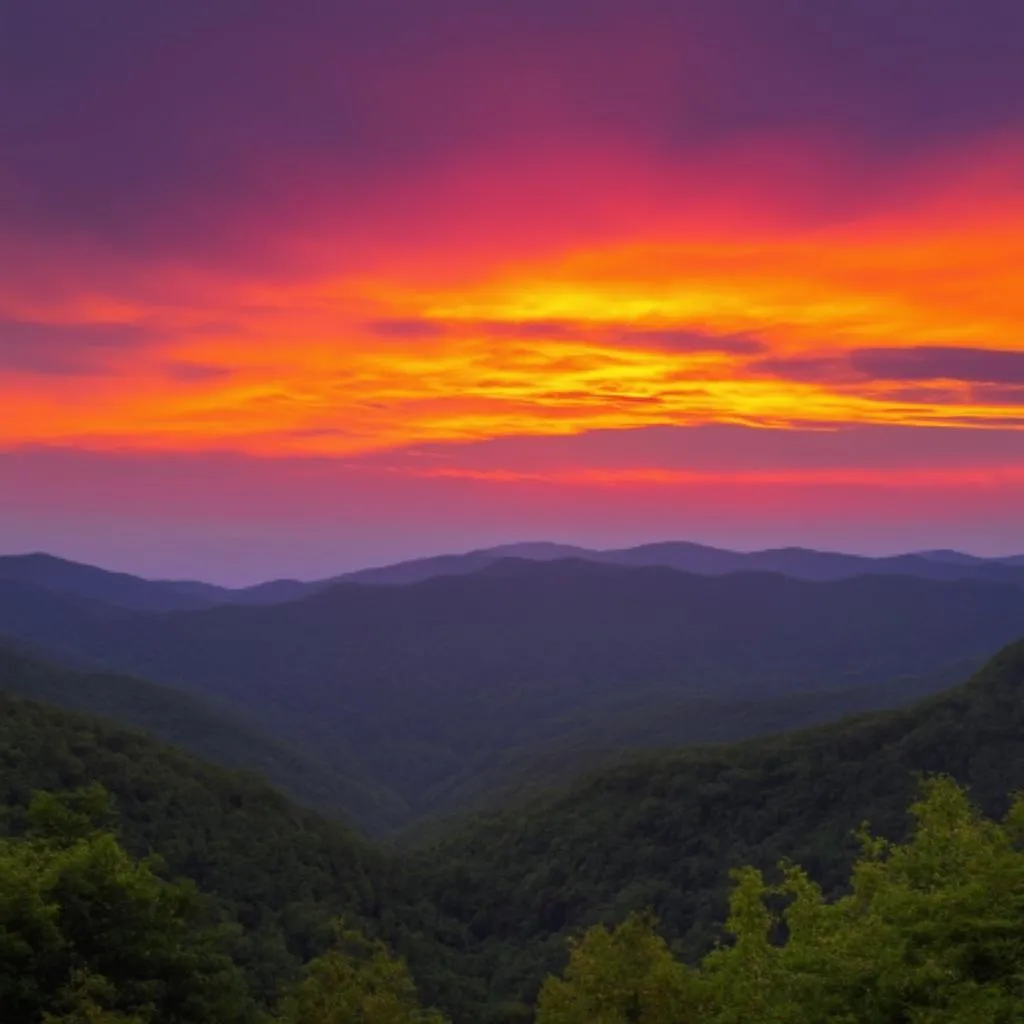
(613, 333)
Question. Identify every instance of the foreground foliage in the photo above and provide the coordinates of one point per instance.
(274, 873)
(931, 932)
(357, 981)
(89, 933)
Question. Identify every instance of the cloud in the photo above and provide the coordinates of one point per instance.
(405, 329)
(373, 225)
(416, 328)
(997, 394)
(611, 333)
(689, 341)
(728, 447)
(913, 364)
(974, 365)
(813, 369)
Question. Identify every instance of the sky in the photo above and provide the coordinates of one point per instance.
(288, 288)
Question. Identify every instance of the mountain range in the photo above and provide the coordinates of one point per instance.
(409, 701)
(799, 563)
(127, 591)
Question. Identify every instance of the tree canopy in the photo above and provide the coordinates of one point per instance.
(87, 933)
(930, 932)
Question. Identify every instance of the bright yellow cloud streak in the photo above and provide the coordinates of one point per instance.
(554, 347)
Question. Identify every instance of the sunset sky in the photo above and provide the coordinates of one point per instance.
(293, 287)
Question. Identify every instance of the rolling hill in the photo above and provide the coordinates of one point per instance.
(428, 685)
(275, 871)
(191, 724)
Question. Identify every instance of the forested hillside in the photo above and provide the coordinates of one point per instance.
(929, 930)
(580, 741)
(663, 832)
(278, 874)
(277, 870)
(193, 725)
(422, 688)
(482, 914)
(592, 742)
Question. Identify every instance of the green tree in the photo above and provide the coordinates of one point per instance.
(625, 976)
(84, 1000)
(87, 933)
(930, 932)
(76, 814)
(356, 982)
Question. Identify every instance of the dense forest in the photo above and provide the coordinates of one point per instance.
(227, 737)
(485, 912)
(662, 832)
(927, 930)
(277, 870)
(89, 933)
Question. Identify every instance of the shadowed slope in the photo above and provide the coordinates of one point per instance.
(194, 726)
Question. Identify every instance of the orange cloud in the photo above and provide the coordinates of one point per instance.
(651, 320)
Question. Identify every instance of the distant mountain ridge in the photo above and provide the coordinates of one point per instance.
(127, 591)
(113, 588)
(799, 563)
